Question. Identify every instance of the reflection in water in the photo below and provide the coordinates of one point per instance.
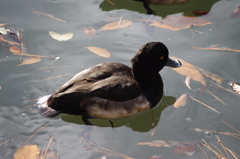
(142, 122)
(161, 8)
(158, 8)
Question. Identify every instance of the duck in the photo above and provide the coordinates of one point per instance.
(112, 90)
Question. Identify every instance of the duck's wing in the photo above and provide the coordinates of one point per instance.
(113, 81)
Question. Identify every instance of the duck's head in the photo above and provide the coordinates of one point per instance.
(150, 59)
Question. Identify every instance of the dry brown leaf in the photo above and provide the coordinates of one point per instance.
(187, 82)
(181, 101)
(9, 42)
(15, 50)
(48, 16)
(30, 60)
(178, 22)
(27, 152)
(236, 87)
(160, 143)
(3, 24)
(188, 69)
(99, 51)
(207, 91)
(215, 48)
(184, 149)
(116, 25)
(89, 31)
(236, 13)
(210, 75)
(205, 105)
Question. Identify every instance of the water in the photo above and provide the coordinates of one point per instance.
(22, 83)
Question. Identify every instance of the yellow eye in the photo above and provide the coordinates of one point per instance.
(162, 57)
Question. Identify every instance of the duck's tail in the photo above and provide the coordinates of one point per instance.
(44, 109)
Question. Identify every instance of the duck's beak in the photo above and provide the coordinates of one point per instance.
(173, 63)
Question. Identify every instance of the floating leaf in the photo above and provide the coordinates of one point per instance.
(205, 105)
(89, 31)
(160, 143)
(30, 60)
(181, 101)
(48, 16)
(15, 50)
(187, 82)
(99, 51)
(116, 25)
(184, 149)
(214, 48)
(236, 13)
(210, 75)
(3, 24)
(179, 22)
(3, 30)
(207, 91)
(61, 37)
(188, 69)
(27, 152)
(9, 42)
(235, 87)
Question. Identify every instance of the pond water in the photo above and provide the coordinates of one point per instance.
(19, 84)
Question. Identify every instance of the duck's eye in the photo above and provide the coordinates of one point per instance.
(162, 57)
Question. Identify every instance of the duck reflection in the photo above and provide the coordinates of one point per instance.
(160, 7)
(142, 122)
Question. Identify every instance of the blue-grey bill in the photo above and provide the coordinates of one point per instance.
(173, 63)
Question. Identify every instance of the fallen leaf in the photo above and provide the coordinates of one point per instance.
(89, 31)
(99, 51)
(9, 42)
(210, 75)
(184, 149)
(236, 87)
(207, 91)
(205, 105)
(236, 13)
(3, 30)
(214, 48)
(61, 37)
(30, 60)
(15, 50)
(160, 143)
(187, 82)
(27, 152)
(181, 101)
(116, 25)
(178, 22)
(188, 69)
(3, 24)
(48, 16)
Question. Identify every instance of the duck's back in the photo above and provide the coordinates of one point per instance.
(111, 83)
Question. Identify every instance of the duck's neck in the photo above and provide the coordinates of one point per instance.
(152, 88)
